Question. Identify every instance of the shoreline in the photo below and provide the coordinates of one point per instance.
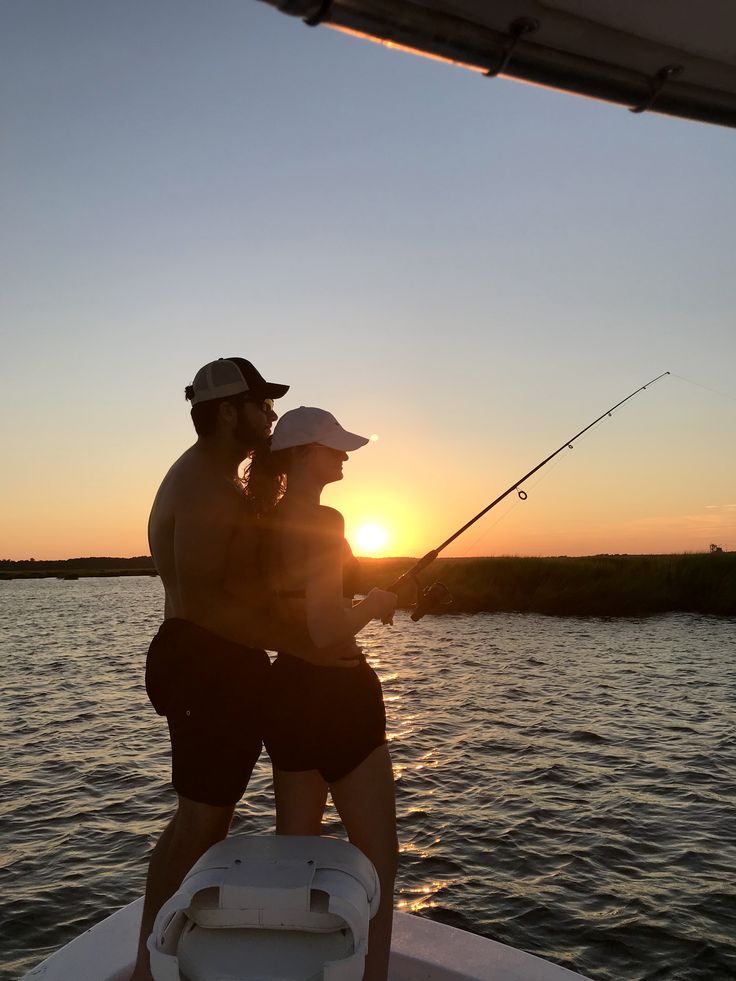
(73, 573)
(597, 585)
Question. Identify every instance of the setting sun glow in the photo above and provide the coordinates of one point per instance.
(370, 539)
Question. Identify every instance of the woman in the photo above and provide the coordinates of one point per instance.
(326, 726)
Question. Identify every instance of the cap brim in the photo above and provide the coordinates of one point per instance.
(344, 441)
(274, 391)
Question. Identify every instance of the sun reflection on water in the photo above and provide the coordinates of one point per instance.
(414, 899)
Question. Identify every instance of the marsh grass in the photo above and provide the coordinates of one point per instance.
(600, 585)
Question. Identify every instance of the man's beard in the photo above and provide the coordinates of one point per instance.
(248, 437)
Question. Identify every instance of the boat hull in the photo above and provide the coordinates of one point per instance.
(421, 950)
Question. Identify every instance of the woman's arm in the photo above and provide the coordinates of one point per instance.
(328, 620)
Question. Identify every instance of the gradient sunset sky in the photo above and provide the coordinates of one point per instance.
(470, 269)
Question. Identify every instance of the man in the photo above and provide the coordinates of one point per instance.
(207, 666)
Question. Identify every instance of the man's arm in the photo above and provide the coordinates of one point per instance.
(211, 533)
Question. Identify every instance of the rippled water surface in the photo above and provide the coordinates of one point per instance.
(564, 786)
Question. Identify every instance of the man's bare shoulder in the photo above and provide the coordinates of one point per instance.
(192, 482)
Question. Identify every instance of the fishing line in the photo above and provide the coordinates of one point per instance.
(713, 391)
(436, 594)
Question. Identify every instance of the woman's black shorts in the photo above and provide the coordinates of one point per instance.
(212, 694)
(326, 719)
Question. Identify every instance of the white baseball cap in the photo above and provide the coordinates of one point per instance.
(231, 376)
(305, 425)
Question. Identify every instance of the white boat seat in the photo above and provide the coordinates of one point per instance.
(267, 908)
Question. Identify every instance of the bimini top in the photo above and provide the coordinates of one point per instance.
(675, 57)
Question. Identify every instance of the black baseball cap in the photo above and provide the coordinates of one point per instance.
(231, 376)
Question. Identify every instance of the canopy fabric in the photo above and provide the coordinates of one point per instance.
(670, 56)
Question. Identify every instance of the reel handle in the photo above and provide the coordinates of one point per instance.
(432, 597)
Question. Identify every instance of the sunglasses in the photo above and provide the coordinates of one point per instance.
(265, 405)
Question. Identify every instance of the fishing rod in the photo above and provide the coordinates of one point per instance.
(437, 595)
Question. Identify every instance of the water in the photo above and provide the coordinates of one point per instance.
(564, 786)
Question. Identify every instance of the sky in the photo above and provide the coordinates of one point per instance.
(470, 269)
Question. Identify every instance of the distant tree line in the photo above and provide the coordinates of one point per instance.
(104, 562)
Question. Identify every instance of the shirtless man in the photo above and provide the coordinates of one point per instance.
(207, 666)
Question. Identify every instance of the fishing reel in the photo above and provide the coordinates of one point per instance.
(431, 599)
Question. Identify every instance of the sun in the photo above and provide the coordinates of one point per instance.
(371, 538)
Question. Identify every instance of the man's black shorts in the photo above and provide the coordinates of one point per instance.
(319, 718)
(211, 692)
